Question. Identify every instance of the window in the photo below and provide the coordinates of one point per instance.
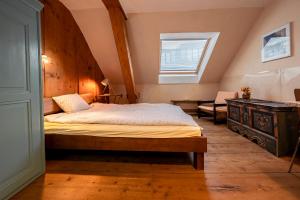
(184, 56)
(181, 55)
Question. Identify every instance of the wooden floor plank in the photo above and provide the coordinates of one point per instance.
(235, 168)
(204, 186)
(237, 148)
(225, 139)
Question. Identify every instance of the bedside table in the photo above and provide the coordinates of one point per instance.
(109, 98)
(188, 106)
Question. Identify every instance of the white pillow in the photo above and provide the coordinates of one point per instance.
(71, 103)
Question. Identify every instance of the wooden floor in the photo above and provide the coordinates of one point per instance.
(234, 169)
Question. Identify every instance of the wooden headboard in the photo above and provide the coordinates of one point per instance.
(71, 66)
(50, 107)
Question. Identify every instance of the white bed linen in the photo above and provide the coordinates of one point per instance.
(131, 114)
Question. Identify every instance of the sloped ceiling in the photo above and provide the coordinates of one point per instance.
(141, 6)
(147, 19)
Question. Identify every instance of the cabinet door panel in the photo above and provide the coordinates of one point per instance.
(263, 121)
(13, 39)
(15, 139)
(234, 113)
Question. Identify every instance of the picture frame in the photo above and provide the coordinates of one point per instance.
(276, 44)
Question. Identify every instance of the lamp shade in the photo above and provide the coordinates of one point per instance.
(105, 82)
(45, 59)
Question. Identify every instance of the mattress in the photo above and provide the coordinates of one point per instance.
(131, 131)
(144, 114)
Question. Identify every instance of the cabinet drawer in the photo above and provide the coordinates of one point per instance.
(263, 141)
(253, 135)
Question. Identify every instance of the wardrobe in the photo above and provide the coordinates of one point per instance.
(21, 125)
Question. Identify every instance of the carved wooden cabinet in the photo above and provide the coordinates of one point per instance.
(272, 125)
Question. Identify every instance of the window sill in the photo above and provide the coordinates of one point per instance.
(178, 78)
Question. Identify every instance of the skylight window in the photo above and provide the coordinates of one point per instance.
(184, 56)
(181, 55)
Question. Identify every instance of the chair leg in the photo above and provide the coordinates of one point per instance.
(294, 156)
(215, 117)
(199, 113)
(215, 114)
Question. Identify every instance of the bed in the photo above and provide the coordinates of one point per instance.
(139, 127)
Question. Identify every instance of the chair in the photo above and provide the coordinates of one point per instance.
(216, 108)
(297, 96)
(294, 155)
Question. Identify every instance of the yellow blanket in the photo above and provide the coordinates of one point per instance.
(105, 130)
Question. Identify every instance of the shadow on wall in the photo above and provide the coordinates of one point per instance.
(275, 85)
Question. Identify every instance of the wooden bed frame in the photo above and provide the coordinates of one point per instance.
(197, 145)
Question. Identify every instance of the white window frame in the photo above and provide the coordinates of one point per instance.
(183, 71)
(185, 77)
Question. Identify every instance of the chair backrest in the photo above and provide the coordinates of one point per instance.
(222, 95)
(297, 94)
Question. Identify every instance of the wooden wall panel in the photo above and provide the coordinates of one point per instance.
(72, 67)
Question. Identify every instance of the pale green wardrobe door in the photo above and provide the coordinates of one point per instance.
(21, 130)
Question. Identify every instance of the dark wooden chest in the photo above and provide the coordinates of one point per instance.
(272, 125)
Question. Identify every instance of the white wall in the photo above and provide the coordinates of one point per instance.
(144, 30)
(144, 39)
(154, 93)
(274, 80)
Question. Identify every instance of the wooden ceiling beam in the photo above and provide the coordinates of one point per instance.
(118, 22)
(114, 4)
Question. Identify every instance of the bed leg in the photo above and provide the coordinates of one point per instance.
(198, 160)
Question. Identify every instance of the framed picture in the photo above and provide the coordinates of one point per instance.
(277, 44)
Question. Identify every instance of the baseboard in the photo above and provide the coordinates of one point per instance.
(21, 187)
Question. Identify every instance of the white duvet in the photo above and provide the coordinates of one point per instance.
(131, 114)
